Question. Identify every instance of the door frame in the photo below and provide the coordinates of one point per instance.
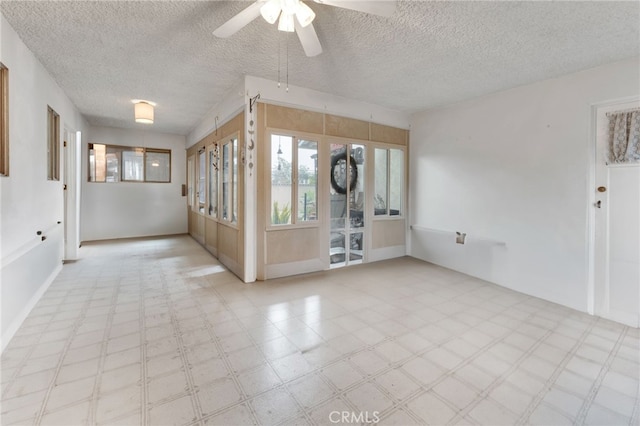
(71, 195)
(596, 109)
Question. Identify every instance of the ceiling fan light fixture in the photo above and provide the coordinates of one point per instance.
(286, 23)
(271, 10)
(304, 14)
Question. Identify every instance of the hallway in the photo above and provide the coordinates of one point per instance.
(155, 332)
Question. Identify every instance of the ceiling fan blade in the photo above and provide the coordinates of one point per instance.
(308, 39)
(374, 7)
(236, 23)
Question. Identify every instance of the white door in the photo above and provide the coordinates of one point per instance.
(617, 229)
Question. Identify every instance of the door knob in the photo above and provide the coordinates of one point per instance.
(602, 189)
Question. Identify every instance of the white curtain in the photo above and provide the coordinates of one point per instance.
(624, 136)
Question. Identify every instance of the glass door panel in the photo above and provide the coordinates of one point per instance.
(347, 200)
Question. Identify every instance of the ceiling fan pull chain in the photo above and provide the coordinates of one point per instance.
(279, 54)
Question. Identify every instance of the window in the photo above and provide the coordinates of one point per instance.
(157, 165)
(293, 160)
(112, 163)
(213, 181)
(53, 144)
(389, 182)
(202, 175)
(230, 180)
(4, 120)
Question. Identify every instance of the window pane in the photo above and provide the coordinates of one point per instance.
(226, 153)
(281, 179)
(234, 182)
(396, 181)
(157, 166)
(190, 180)
(4, 120)
(307, 180)
(97, 162)
(356, 191)
(213, 181)
(53, 144)
(201, 179)
(113, 156)
(380, 172)
(133, 164)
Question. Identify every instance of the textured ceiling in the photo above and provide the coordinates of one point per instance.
(427, 54)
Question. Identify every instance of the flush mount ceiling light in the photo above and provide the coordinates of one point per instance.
(295, 16)
(143, 111)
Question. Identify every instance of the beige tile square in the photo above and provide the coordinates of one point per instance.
(616, 401)
(176, 412)
(310, 390)
(245, 359)
(118, 403)
(487, 412)
(274, 406)
(121, 359)
(258, 380)
(39, 364)
(543, 415)
(330, 412)
(78, 370)
(509, 396)
(368, 398)
(602, 416)
(431, 409)
(163, 364)
(26, 407)
(397, 418)
(291, 366)
(397, 384)
(236, 415)
(30, 383)
(455, 392)
(235, 341)
(124, 342)
(207, 372)
(73, 415)
(423, 371)
(83, 354)
(342, 374)
(202, 353)
(120, 378)
(392, 351)
(217, 395)
(369, 362)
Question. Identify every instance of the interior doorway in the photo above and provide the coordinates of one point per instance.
(616, 230)
(71, 193)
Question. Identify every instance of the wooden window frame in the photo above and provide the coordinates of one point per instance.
(53, 144)
(4, 120)
(123, 148)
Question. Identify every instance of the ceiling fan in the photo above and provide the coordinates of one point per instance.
(296, 16)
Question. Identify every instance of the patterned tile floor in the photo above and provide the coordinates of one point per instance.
(156, 332)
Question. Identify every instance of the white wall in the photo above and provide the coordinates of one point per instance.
(29, 201)
(514, 167)
(130, 209)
